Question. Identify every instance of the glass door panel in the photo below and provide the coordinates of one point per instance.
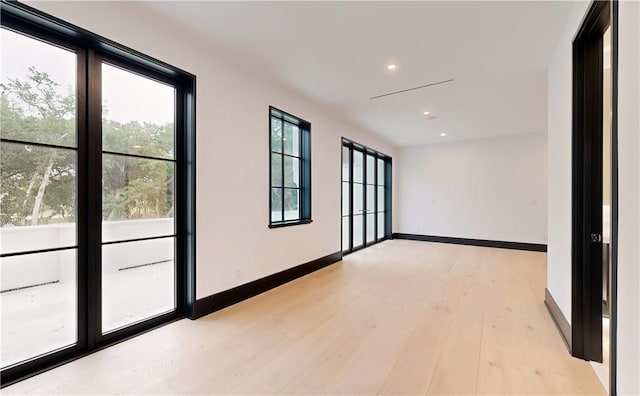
(371, 227)
(371, 169)
(138, 278)
(370, 199)
(138, 177)
(381, 172)
(346, 164)
(381, 225)
(381, 206)
(346, 234)
(365, 208)
(358, 166)
(346, 199)
(38, 191)
(346, 210)
(358, 199)
(358, 228)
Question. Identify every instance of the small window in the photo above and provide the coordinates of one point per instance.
(289, 170)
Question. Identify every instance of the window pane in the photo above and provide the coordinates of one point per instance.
(358, 166)
(134, 191)
(276, 135)
(345, 233)
(39, 93)
(291, 139)
(38, 197)
(371, 169)
(345, 198)
(292, 120)
(291, 204)
(291, 172)
(138, 281)
(371, 198)
(358, 226)
(381, 225)
(276, 170)
(358, 196)
(138, 114)
(345, 163)
(38, 300)
(371, 224)
(381, 199)
(276, 204)
(380, 172)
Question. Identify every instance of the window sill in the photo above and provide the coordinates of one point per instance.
(289, 223)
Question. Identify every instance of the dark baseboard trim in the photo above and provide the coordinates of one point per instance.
(561, 322)
(218, 301)
(534, 247)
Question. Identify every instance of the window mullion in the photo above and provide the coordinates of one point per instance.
(351, 199)
(282, 168)
(93, 259)
(300, 173)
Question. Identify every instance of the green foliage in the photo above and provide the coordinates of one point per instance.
(38, 184)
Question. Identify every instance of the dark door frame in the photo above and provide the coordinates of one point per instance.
(586, 252)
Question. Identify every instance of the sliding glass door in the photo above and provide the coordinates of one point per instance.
(38, 198)
(138, 190)
(96, 189)
(366, 196)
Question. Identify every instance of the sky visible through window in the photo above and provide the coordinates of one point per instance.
(144, 99)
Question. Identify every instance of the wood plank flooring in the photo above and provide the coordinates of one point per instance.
(400, 317)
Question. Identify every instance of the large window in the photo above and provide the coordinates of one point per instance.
(366, 196)
(38, 197)
(96, 219)
(290, 169)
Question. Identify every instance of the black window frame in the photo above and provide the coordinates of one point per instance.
(304, 171)
(91, 49)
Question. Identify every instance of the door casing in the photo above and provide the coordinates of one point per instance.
(587, 168)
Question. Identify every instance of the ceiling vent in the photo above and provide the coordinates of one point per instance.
(411, 89)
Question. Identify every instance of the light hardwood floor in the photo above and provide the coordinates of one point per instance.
(400, 317)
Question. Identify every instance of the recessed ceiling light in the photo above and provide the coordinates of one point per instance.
(391, 66)
(137, 147)
(426, 113)
(443, 134)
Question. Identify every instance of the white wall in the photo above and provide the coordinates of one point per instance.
(234, 244)
(559, 246)
(629, 199)
(491, 189)
(559, 146)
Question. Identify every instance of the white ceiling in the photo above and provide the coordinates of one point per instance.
(336, 53)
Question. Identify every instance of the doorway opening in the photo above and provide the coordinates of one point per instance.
(594, 195)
